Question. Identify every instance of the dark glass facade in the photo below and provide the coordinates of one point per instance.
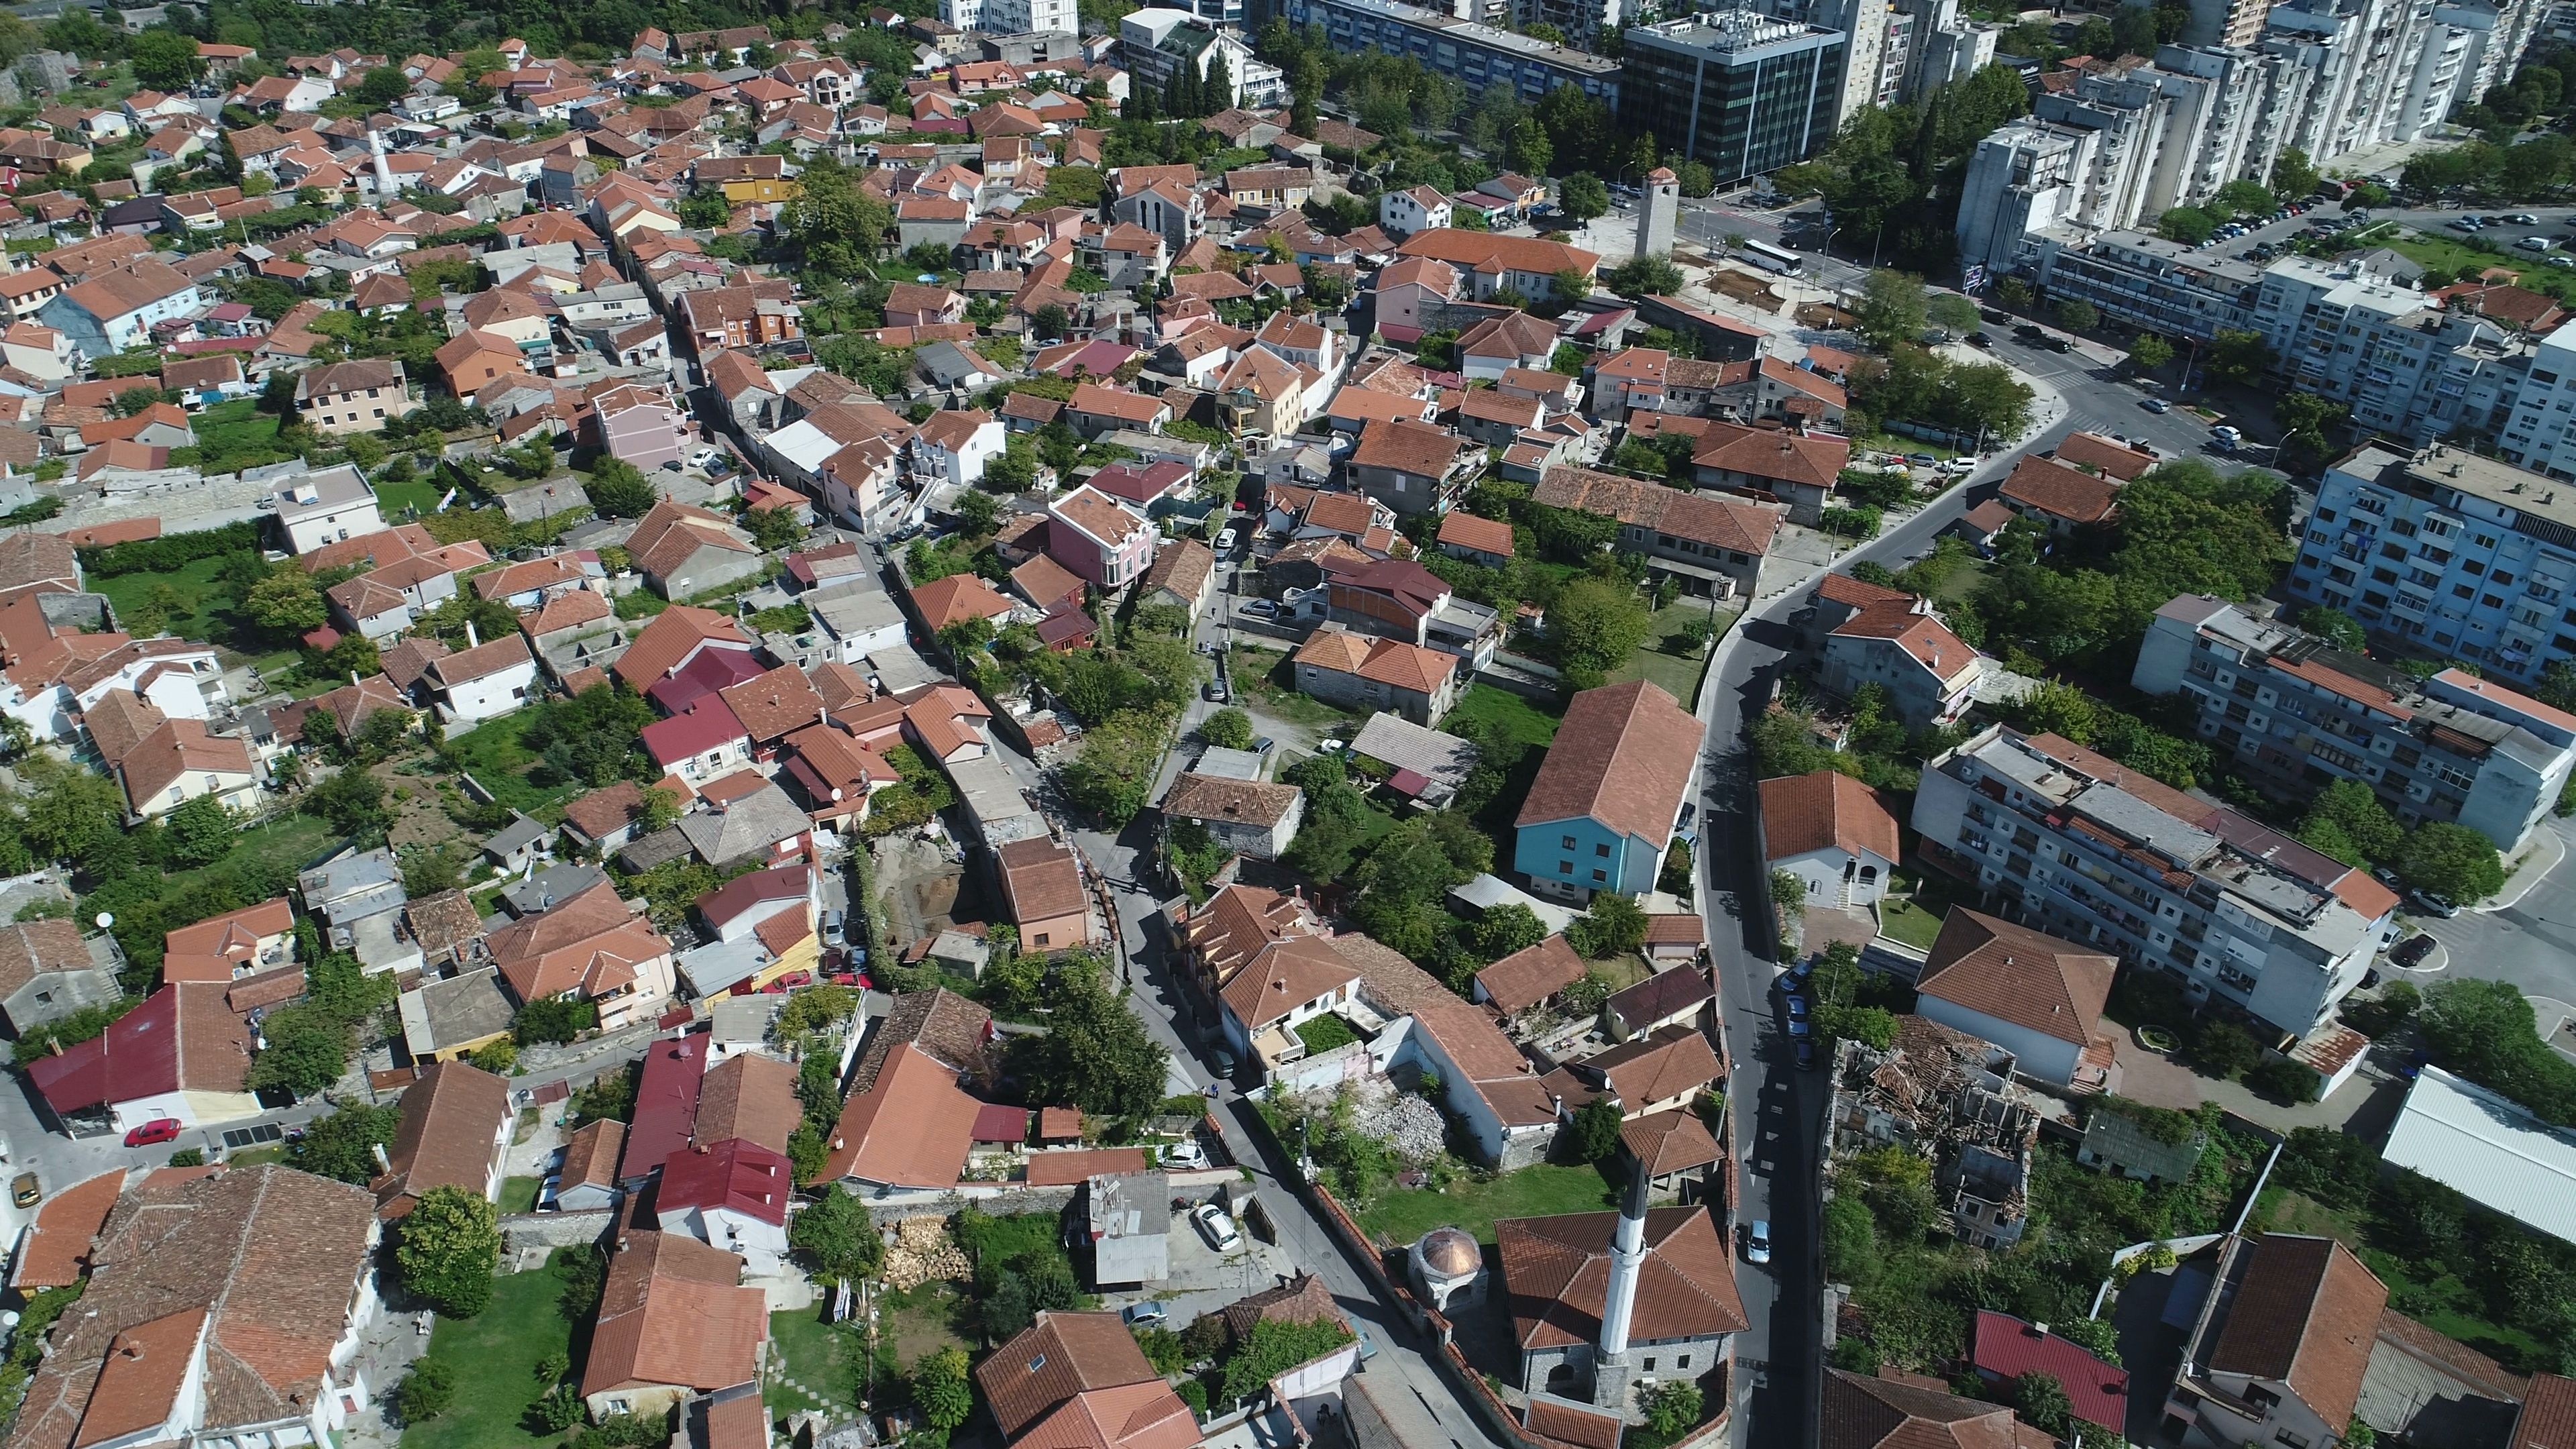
(1740, 103)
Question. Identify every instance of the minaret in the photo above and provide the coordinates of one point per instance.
(1610, 1368)
(385, 188)
(1657, 214)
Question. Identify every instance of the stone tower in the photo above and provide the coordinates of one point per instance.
(1655, 218)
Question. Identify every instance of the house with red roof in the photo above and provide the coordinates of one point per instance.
(1102, 541)
(2058, 497)
(1833, 833)
(2003, 1348)
(184, 1054)
(731, 1195)
(1601, 813)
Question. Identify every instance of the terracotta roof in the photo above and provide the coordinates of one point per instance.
(2306, 1314)
(953, 1030)
(1557, 1271)
(1213, 797)
(605, 811)
(1882, 1413)
(751, 1097)
(943, 602)
(1623, 757)
(2092, 450)
(33, 948)
(1055, 1358)
(1700, 517)
(670, 639)
(1826, 809)
(1670, 1061)
(2060, 491)
(1401, 445)
(587, 945)
(1302, 1299)
(1182, 566)
(1578, 1426)
(1063, 1168)
(672, 1313)
(912, 1127)
(1283, 977)
(1484, 535)
(1491, 252)
(1040, 880)
(2015, 974)
(1776, 454)
(1669, 1142)
(2548, 1418)
(452, 1115)
(590, 1155)
(772, 704)
(1527, 977)
(56, 1250)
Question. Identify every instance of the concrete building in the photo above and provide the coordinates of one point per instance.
(317, 508)
(1601, 812)
(1130, 1227)
(1736, 90)
(2464, 555)
(2228, 909)
(2404, 366)
(2022, 180)
(1469, 51)
(2298, 715)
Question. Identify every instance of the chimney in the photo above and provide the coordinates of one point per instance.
(472, 639)
(383, 1163)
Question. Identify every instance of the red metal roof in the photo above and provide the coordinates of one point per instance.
(2007, 1348)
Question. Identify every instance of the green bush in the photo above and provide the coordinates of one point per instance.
(2284, 1080)
(426, 1392)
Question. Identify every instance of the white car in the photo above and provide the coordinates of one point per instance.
(1757, 1243)
(1186, 1153)
(1216, 1227)
(2534, 243)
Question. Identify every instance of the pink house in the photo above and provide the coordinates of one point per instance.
(1405, 288)
(914, 304)
(638, 424)
(1096, 537)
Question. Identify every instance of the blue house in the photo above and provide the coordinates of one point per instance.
(1601, 812)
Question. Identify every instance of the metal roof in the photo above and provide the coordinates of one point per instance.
(2489, 1150)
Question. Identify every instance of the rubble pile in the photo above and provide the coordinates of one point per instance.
(924, 1253)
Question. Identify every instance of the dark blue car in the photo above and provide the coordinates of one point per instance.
(1798, 1007)
(1804, 1049)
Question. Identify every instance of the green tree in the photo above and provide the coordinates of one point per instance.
(1613, 926)
(165, 60)
(2239, 356)
(1953, 312)
(1583, 196)
(2293, 176)
(199, 832)
(2077, 315)
(2150, 352)
(426, 1391)
(2451, 861)
(2041, 1402)
(1595, 1130)
(342, 1145)
(447, 1249)
(1892, 308)
(1654, 276)
(1094, 1054)
(978, 513)
(618, 489)
(287, 601)
(1227, 728)
(2358, 816)
(939, 1383)
(772, 529)
(1593, 625)
(1528, 150)
(836, 1237)
(2189, 225)
(2336, 627)
(352, 802)
(1672, 1409)
(1508, 928)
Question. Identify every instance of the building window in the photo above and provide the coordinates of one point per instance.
(1600, 875)
(1602, 850)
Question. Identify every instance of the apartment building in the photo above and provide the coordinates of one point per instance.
(2299, 715)
(2460, 554)
(2230, 910)
(2536, 433)
(1468, 51)
(2146, 281)
(2369, 341)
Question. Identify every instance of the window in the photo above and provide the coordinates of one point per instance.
(1565, 867)
(1602, 850)
(1042, 937)
(1567, 842)
(1600, 875)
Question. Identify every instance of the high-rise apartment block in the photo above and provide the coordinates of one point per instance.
(2297, 715)
(1740, 92)
(2081, 847)
(2404, 366)
(2457, 554)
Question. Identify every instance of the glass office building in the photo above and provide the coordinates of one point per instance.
(1738, 91)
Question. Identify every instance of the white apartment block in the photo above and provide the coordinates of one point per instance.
(1031, 17)
(2298, 715)
(2536, 432)
(2369, 341)
(2230, 910)
(2459, 554)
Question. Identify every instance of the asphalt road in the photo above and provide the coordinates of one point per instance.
(2530, 944)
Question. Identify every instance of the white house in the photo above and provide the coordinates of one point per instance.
(731, 1195)
(953, 446)
(2034, 995)
(483, 681)
(1402, 213)
(318, 508)
(1833, 833)
(116, 310)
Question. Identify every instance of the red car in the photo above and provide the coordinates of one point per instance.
(159, 1129)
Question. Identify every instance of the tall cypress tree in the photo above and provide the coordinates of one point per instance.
(1218, 93)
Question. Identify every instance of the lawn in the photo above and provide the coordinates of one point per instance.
(519, 1194)
(2444, 1305)
(2432, 249)
(297, 838)
(187, 602)
(1675, 671)
(1908, 922)
(1258, 672)
(1532, 1192)
(494, 755)
(419, 494)
(236, 435)
(819, 1356)
(1526, 720)
(495, 1356)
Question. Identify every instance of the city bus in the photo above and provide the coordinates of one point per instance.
(1770, 258)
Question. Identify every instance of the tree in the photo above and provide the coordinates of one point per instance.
(2357, 813)
(165, 60)
(1528, 149)
(1615, 926)
(1672, 1408)
(1594, 1133)
(426, 1391)
(352, 802)
(978, 513)
(939, 1385)
(2239, 356)
(2041, 1402)
(1095, 1054)
(1654, 276)
(1892, 308)
(1951, 311)
(342, 1145)
(2077, 315)
(447, 1250)
(2452, 861)
(2150, 352)
(836, 1236)
(1228, 729)
(2293, 176)
(1583, 196)
(2097, 1336)
(1593, 626)
(2336, 627)
(287, 601)
(1508, 928)
(618, 489)
(2187, 224)
(831, 221)
(199, 832)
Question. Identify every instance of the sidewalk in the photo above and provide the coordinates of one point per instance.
(2548, 849)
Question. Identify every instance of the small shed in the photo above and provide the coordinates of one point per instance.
(1130, 1225)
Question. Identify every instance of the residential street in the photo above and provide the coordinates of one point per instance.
(2530, 943)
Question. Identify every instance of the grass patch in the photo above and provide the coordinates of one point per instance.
(298, 838)
(494, 754)
(1325, 1032)
(421, 495)
(187, 602)
(1672, 668)
(495, 1356)
(1532, 1192)
(254, 1156)
(1262, 675)
(1908, 922)
(236, 435)
(2442, 1303)
(1526, 720)
(819, 1356)
(519, 1194)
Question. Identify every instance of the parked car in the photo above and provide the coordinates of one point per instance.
(2520, 218)
(2533, 244)
(2433, 903)
(159, 1129)
(2058, 344)
(1757, 1241)
(1923, 460)
(549, 1193)
(1225, 541)
(2463, 224)
(1143, 1315)
(1800, 1029)
(2156, 405)
(835, 928)
(2412, 951)
(1980, 339)
(1216, 1227)
(1217, 693)
(24, 1191)
(1799, 1010)
(1802, 1050)
(1185, 1153)
(1261, 608)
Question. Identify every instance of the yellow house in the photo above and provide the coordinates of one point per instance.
(764, 189)
(792, 944)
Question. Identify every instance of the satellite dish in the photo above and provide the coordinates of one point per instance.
(105, 920)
